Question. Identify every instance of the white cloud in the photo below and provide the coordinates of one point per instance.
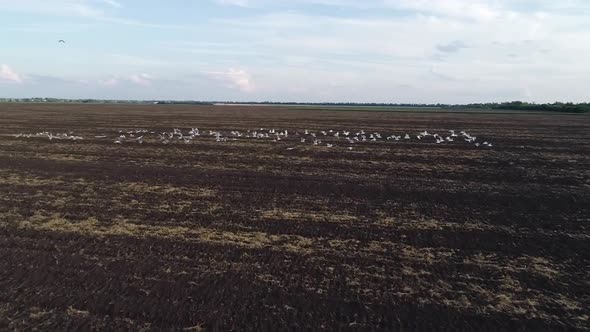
(141, 79)
(103, 11)
(57, 7)
(9, 75)
(135, 61)
(235, 79)
(113, 81)
(474, 9)
(240, 3)
(112, 3)
(241, 79)
(504, 50)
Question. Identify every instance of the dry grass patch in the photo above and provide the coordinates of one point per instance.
(37, 313)
(413, 221)
(28, 180)
(298, 215)
(75, 312)
(540, 266)
(120, 227)
(141, 188)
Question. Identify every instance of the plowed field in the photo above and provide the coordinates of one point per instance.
(270, 235)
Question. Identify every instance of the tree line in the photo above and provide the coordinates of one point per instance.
(513, 105)
(524, 106)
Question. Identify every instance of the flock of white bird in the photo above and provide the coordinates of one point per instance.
(327, 138)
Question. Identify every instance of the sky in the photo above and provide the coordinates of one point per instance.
(395, 51)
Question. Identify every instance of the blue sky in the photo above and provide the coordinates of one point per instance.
(448, 51)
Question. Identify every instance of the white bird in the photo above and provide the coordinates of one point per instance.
(290, 149)
(407, 136)
(329, 145)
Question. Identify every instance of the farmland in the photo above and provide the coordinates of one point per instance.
(271, 235)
